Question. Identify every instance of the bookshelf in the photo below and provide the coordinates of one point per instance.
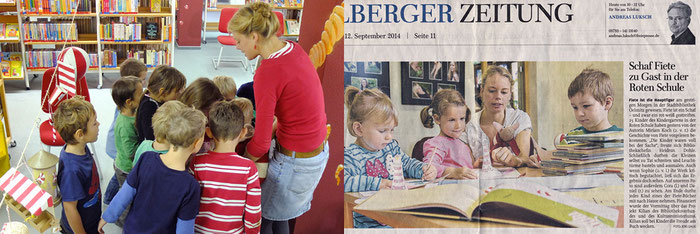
(291, 9)
(109, 31)
(9, 45)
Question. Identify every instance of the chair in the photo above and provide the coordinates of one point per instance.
(418, 149)
(227, 40)
(47, 133)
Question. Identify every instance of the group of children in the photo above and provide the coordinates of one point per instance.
(161, 186)
(371, 118)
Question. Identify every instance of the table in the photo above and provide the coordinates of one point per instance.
(412, 221)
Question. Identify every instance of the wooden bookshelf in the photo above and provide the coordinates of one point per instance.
(92, 37)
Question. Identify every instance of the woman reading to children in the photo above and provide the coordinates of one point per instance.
(287, 86)
(496, 94)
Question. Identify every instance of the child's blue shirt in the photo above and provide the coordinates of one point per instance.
(78, 180)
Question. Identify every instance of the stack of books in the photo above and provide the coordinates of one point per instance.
(589, 154)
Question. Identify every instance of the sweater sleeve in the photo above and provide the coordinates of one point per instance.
(123, 199)
(252, 215)
(355, 178)
(266, 94)
(434, 154)
(144, 119)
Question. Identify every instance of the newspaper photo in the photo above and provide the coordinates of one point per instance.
(493, 116)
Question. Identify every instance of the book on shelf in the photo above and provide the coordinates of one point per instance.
(11, 63)
(56, 6)
(155, 5)
(11, 31)
(294, 3)
(291, 26)
(519, 203)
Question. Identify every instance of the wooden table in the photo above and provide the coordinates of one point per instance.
(412, 221)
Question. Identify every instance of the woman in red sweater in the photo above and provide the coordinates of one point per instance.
(286, 86)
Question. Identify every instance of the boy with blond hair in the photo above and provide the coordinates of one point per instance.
(130, 67)
(591, 95)
(164, 197)
(227, 86)
(230, 189)
(76, 121)
(160, 127)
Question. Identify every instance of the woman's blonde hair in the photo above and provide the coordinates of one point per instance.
(255, 17)
(368, 104)
(443, 99)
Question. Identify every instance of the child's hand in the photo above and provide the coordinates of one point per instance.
(100, 225)
(385, 184)
(466, 173)
(429, 172)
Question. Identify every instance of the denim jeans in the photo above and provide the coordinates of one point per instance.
(112, 190)
(290, 184)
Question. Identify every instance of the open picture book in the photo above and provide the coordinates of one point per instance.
(519, 203)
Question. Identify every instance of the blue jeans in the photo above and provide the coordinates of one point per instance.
(290, 184)
(112, 189)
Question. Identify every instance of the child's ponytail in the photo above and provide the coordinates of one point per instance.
(350, 94)
(426, 117)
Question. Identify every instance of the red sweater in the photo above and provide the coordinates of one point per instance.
(230, 200)
(288, 87)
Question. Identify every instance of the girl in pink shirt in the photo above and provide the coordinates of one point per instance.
(450, 155)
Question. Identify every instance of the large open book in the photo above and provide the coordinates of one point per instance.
(517, 203)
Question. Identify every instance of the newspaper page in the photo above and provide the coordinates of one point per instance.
(557, 114)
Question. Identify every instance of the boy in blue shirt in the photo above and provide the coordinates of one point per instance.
(164, 197)
(76, 121)
(591, 95)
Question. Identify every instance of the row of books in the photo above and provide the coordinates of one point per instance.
(120, 6)
(56, 6)
(120, 32)
(11, 65)
(47, 59)
(9, 31)
(151, 58)
(586, 154)
(50, 31)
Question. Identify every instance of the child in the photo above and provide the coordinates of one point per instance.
(76, 121)
(230, 187)
(160, 127)
(126, 93)
(165, 196)
(591, 96)
(450, 155)
(371, 119)
(227, 86)
(201, 94)
(248, 114)
(130, 67)
(165, 84)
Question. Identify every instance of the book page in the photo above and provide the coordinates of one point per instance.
(457, 197)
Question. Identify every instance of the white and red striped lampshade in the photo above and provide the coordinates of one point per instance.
(77, 58)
